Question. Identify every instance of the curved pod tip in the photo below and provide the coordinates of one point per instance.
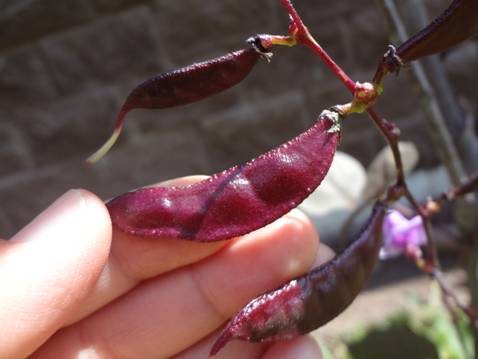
(103, 150)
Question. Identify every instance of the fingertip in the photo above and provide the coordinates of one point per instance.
(302, 242)
(299, 216)
(76, 209)
(52, 265)
(257, 262)
(97, 217)
(320, 252)
(73, 231)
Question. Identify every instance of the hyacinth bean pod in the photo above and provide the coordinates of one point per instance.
(186, 85)
(313, 299)
(456, 24)
(237, 201)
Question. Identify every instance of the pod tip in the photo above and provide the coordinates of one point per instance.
(103, 150)
(226, 336)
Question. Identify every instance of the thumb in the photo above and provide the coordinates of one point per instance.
(48, 268)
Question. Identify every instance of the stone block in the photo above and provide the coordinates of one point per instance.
(24, 79)
(31, 20)
(219, 26)
(70, 127)
(107, 51)
(15, 153)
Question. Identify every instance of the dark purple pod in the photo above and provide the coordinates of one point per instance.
(456, 24)
(237, 201)
(192, 83)
(310, 301)
(186, 85)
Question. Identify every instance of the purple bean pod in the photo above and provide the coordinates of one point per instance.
(237, 201)
(310, 301)
(456, 24)
(187, 85)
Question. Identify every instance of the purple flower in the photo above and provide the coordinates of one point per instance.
(402, 235)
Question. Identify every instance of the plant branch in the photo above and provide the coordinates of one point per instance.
(468, 186)
(437, 275)
(392, 134)
(389, 130)
(303, 36)
(390, 63)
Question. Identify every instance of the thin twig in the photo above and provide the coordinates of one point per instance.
(392, 136)
(450, 293)
(304, 37)
(468, 186)
(389, 130)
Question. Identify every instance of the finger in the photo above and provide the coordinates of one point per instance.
(167, 314)
(48, 268)
(304, 347)
(135, 259)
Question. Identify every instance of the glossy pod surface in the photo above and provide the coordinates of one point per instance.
(310, 301)
(456, 24)
(186, 85)
(238, 200)
(194, 82)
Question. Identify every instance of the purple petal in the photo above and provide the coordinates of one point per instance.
(401, 233)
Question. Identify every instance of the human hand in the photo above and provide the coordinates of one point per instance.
(68, 290)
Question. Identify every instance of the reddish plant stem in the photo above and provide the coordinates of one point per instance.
(304, 37)
(448, 292)
(314, 46)
(392, 134)
(433, 205)
(466, 187)
(388, 129)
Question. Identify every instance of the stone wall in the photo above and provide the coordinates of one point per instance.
(66, 66)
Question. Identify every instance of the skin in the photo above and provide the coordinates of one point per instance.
(72, 286)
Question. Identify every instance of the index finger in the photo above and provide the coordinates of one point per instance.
(48, 268)
(135, 259)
